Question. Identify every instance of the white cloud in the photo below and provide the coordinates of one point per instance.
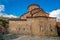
(55, 13)
(8, 16)
(2, 7)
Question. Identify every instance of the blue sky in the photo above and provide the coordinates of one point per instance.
(19, 7)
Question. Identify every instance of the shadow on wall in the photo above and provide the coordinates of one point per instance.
(58, 30)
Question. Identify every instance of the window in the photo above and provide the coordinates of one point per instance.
(23, 28)
(51, 27)
(41, 28)
(42, 25)
(51, 30)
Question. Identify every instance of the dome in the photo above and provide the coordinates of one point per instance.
(33, 6)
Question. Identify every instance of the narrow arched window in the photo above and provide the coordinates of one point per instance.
(51, 27)
(41, 28)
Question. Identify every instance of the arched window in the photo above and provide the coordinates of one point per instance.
(51, 27)
(41, 27)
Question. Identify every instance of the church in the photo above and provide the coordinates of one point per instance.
(35, 22)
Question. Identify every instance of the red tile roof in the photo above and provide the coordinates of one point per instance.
(58, 24)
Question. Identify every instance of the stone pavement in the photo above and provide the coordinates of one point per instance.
(14, 37)
(36, 38)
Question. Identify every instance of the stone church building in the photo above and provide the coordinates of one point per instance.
(35, 22)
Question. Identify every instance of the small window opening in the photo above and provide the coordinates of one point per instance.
(23, 28)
